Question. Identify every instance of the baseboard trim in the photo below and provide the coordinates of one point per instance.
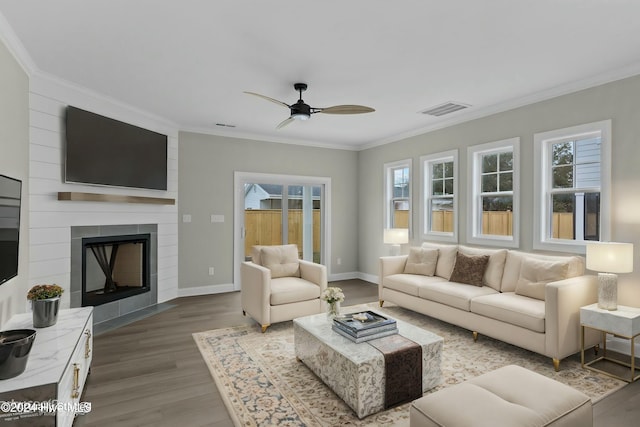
(205, 290)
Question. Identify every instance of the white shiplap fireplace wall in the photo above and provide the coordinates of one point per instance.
(51, 220)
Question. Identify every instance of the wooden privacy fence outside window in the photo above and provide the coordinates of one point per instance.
(264, 227)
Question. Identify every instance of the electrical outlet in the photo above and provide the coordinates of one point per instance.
(211, 271)
(186, 218)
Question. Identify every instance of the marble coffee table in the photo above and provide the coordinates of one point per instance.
(356, 372)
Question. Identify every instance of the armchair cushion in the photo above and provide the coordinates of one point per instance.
(287, 290)
(281, 260)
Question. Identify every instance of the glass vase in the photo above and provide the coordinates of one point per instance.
(333, 309)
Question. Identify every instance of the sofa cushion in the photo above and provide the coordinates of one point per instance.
(456, 295)
(514, 262)
(511, 308)
(469, 269)
(535, 274)
(281, 260)
(409, 283)
(285, 290)
(421, 261)
(446, 258)
(495, 267)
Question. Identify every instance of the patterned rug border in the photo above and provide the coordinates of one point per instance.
(261, 383)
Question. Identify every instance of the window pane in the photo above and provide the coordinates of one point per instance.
(489, 183)
(489, 163)
(562, 153)
(592, 216)
(448, 170)
(563, 177)
(401, 182)
(497, 216)
(437, 188)
(588, 175)
(506, 161)
(506, 181)
(448, 186)
(400, 214)
(562, 224)
(437, 171)
(442, 215)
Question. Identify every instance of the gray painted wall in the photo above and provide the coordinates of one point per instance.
(207, 164)
(14, 162)
(618, 101)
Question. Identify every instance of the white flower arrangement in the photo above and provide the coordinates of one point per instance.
(332, 295)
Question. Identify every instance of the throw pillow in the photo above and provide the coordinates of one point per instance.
(535, 274)
(421, 261)
(281, 260)
(469, 269)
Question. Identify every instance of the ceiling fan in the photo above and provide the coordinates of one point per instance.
(302, 111)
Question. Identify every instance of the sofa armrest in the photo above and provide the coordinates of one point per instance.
(390, 265)
(563, 300)
(314, 273)
(256, 291)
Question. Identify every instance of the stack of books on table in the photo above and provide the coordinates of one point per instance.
(364, 326)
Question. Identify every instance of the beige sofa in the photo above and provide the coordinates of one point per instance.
(528, 300)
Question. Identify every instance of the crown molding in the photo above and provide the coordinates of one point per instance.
(15, 47)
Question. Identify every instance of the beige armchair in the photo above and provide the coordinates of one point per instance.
(277, 286)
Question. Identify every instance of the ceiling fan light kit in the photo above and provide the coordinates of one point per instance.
(303, 111)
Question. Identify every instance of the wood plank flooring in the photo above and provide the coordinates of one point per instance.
(150, 372)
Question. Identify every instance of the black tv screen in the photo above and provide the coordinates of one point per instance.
(104, 151)
(10, 191)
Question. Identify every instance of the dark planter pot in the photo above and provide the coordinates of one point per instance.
(15, 346)
(45, 312)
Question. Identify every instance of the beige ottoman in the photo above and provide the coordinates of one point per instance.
(509, 396)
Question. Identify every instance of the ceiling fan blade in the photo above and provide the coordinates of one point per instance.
(269, 99)
(285, 122)
(345, 109)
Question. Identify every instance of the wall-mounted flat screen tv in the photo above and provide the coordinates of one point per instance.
(10, 191)
(104, 151)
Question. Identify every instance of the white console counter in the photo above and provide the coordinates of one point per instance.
(56, 370)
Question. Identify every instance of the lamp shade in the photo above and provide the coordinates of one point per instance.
(610, 257)
(396, 236)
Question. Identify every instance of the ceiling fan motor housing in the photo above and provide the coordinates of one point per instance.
(300, 110)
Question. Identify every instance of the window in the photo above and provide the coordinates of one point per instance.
(494, 184)
(398, 194)
(572, 186)
(439, 196)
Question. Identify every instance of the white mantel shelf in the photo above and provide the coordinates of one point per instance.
(74, 196)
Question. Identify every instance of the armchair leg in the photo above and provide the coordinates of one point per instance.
(556, 364)
(475, 336)
(381, 302)
(264, 328)
(244, 313)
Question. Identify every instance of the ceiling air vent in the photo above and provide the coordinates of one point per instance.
(446, 108)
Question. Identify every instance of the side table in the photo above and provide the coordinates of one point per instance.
(622, 323)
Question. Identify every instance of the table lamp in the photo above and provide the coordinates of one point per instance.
(396, 237)
(608, 258)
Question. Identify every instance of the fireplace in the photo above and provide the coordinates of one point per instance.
(114, 267)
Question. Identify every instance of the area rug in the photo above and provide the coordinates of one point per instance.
(263, 384)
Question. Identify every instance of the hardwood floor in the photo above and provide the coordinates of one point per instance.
(150, 372)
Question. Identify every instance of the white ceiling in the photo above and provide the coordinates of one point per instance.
(189, 61)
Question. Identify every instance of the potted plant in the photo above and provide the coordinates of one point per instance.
(45, 301)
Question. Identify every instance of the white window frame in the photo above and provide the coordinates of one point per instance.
(426, 166)
(542, 178)
(388, 191)
(474, 226)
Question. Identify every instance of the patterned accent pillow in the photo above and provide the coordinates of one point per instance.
(421, 261)
(469, 269)
(535, 274)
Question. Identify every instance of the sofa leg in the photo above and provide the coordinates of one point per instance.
(381, 302)
(596, 349)
(556, 364)
(244, 313)
(264, 328)
(475, 336)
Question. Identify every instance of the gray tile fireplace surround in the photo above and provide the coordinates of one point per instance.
(123, 307)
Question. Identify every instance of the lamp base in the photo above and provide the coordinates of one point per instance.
(608, 291)
(395, 250)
